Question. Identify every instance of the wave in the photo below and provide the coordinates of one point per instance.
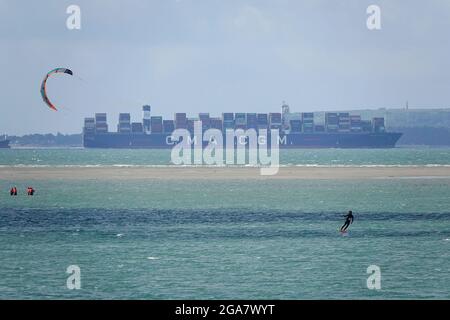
(221, 223)
(223, 166)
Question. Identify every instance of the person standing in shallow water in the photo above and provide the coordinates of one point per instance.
(348, 221)
(13, 191)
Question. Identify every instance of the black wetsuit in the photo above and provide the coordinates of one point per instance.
(348, 221)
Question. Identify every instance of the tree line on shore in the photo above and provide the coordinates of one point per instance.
(47, 140)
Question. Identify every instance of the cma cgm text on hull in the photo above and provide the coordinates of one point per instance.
(318, 140)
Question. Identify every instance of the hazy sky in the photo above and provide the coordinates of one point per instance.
(214, 56)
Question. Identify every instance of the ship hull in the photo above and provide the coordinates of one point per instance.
(292, 141)
(342, 140)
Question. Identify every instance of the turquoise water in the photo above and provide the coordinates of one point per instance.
(212, 239)
(95, 157)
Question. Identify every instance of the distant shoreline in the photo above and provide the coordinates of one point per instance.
(20, 147)
(220, 173)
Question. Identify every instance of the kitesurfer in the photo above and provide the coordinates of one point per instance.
(348, 220)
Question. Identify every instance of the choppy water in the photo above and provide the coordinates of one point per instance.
(266, 239)
(326, 157)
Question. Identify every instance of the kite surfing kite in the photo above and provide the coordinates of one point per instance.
(44, 83)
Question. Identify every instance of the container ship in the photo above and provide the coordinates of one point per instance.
(295, 130)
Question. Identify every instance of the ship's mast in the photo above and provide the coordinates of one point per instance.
(407, 113)
(284, 111)
(285, 108)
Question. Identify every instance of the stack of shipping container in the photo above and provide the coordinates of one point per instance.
(331, 122)
(275, 120)
(101, 125)
(355, 123)
(378, 125)
(297, 123)
(137, 127)
(344, 122)
(240, 121)
(156, 124)
(308, 121)
(124, 125)
(206, 121)
(180, 121)
(263, 121)
(366, 126)
(190, 124)
(295, 126)
(252, 121)
(168, 126)
(228, 120)
(89, 125)
(216, 123)
(319, 128)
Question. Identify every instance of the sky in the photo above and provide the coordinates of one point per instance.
(217, 56)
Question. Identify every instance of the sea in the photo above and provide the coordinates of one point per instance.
(225, 239)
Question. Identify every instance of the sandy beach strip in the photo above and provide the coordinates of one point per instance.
(219, 173)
